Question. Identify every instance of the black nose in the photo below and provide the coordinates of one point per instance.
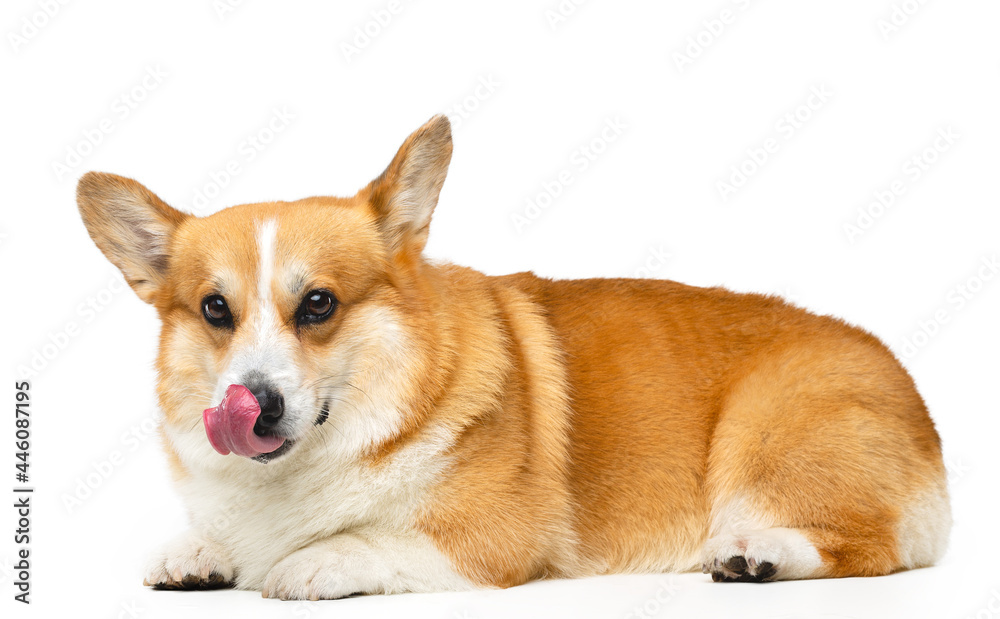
(272, 407)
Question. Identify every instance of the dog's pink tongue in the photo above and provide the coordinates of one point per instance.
(230, 425)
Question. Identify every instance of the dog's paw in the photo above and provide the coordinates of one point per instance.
(190, 562)
(761, 556)
(312, 573)
(741, 558)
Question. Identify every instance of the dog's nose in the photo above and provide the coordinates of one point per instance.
(272, 407)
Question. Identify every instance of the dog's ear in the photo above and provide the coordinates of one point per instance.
(131, 226)
(404, 196)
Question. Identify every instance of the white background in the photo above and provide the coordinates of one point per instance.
(654, 189)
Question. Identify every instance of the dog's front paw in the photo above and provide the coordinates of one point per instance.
(313, 573)
(190, 562)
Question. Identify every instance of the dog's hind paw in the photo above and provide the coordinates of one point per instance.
(740, 569)
(761, 556)
(190, 562)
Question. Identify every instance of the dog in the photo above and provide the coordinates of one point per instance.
(343, 416)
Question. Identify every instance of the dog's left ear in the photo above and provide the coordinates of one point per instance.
(404, 196)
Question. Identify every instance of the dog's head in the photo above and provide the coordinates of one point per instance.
(316, 308)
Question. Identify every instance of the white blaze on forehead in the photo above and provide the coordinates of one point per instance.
(265, 249)
(260, 351)
(266, 324)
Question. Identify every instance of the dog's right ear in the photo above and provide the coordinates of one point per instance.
(131, 226)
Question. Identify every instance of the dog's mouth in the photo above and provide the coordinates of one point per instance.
(264, 458)
(232, 427)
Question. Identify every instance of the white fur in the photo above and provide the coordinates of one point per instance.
(368, 380)
(370, 561)
(737, 514)
(739, 529)
(266, 237)
(924, 527)
(258, 515)
(188, 555)
(793, 555)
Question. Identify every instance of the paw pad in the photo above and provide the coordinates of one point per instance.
(740, 569)
(191, 582)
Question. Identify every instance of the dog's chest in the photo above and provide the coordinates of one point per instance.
(261, 522)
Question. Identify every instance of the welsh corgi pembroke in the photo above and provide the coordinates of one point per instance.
(343, 416)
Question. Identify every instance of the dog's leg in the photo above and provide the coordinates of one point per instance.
(362, 562)
(824, 463)
(190, 561)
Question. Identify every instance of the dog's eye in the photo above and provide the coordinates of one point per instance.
(216, 311)
(316, 307)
